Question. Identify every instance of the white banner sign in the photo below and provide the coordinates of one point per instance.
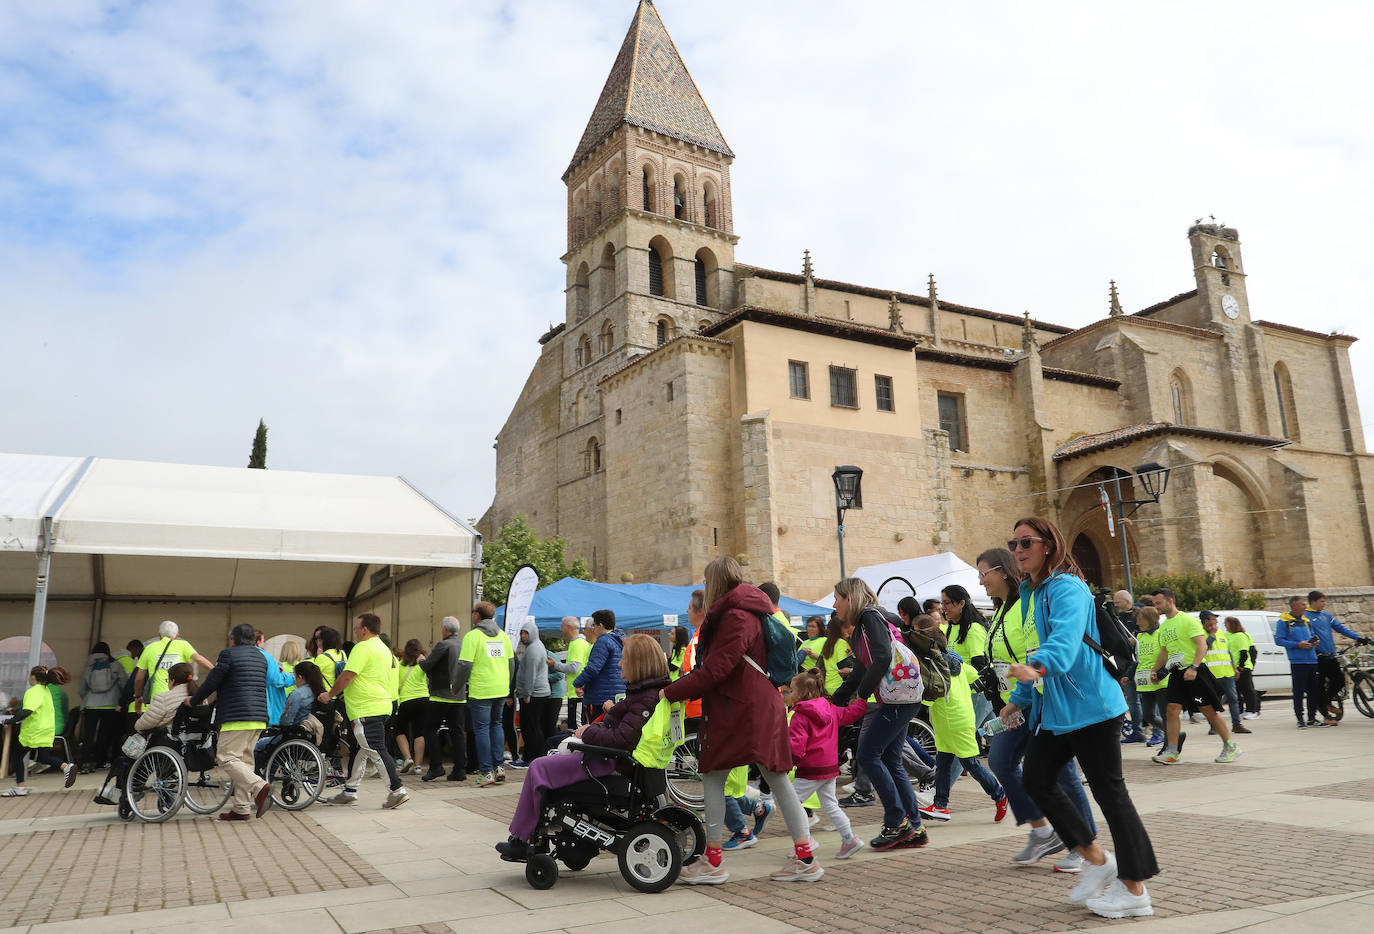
(518, 600)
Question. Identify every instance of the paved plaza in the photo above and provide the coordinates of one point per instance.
(1282, 841)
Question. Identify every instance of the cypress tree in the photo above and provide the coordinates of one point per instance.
(258, 459)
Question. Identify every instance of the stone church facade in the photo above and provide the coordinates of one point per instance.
(691, 405)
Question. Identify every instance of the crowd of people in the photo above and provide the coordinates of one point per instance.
(1030, 688)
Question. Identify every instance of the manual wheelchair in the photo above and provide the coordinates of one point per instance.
(628, 815)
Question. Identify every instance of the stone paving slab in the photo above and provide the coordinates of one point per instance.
(1362, 790)
(974, 887)
(118, 868)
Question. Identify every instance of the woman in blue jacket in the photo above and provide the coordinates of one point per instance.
(1075, 710)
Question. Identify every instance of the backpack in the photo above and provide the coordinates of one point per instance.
(904, 681)
(935, 673)
(1117, 648)
(101, 678)
(780, 645)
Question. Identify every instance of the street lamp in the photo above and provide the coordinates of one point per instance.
(1154, 477)
(847, 479)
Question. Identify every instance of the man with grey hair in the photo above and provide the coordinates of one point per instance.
(577, 652)
(160, 656)
(446, 706)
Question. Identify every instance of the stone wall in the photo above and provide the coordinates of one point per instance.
(1353, 606)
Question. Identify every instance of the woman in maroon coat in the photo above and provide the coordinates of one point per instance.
(745, 719)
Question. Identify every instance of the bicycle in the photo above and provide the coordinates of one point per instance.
(1350, 677)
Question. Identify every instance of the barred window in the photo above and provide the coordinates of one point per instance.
(882, 388)
(844, 390)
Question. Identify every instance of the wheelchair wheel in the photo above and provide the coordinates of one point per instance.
(296, 773)
(541, 872)
(207, 791)
(687, 828)
(156, 785)
(684, 779)
(650, 859)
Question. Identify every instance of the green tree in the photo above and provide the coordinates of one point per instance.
(258, 459)
(1199, 591)
(516, 544)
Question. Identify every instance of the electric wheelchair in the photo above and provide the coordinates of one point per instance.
(628, 815)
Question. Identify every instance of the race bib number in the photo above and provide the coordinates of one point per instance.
(1003, 672)
(167, 662)
(676, 732)
(1175, 660)
(1142, 677)
(496, 650)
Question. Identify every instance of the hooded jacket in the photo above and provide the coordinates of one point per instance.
(814, 734)
(532, 670)
(601, 680)
(101, 682)
(1288, 632)
(240, 680)
(1078, 692)
(161, 710)
(441, 668)
(463, 669)
(622, 725)
(746, 721)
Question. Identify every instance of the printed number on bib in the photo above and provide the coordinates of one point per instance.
(1003, 671)
(1142, 677)
(496, 650)
(168, 662)
(1175, 660)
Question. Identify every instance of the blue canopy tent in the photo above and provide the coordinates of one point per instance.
(571, 597)
(636, 606)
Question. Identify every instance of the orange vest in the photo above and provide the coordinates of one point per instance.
(689, 659)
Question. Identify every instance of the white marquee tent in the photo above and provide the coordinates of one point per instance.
(128, 543)
(927, 575)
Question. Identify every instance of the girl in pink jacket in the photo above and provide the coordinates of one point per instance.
(814, 732)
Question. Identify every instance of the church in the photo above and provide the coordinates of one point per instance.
(690, 405)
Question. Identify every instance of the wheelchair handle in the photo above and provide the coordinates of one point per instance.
(607, 751)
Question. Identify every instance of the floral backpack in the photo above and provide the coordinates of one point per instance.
(902, 683)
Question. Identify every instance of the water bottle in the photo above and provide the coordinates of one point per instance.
(994, 725)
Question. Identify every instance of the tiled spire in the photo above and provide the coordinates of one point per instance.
(650, 87)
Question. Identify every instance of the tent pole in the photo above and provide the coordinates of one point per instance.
(40, 590)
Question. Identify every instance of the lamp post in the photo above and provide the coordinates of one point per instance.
(847, 479)
(1154, 478)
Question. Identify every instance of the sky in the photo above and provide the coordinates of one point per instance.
(346, 218)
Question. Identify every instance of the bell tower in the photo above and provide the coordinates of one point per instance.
(651, 241)
(1220, 275)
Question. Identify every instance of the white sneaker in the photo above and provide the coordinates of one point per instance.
(1249, 716)
(1073, 863)
(15, 792)
(1118, 902)
(794, 870)
(925, 799)
(1093, 879)
(849, 848)
(702, 872)
(343, 797)
(846, 789)
(813, 820)
(829, 827)
(396, 798)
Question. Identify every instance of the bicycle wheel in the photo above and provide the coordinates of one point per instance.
(1362, 692)
(920, 731)
(207, 791)
(156, 784)
(684, 779)
(297, 775)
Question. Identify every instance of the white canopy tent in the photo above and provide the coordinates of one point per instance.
(134, 542)
(927, 575)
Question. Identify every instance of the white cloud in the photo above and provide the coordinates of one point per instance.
(347, 218)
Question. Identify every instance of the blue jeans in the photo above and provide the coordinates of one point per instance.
(735, 809)
(981, 709)
(488, 732)
(1133, 702)
(947, 772)
(880, 754)
(1228, 691)
(1005, 752)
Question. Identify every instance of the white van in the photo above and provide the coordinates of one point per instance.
(1271, 666)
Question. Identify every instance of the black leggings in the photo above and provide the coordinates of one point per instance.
(532, 715)
(44, 755)
(442, 713)
(1245, 684)
(101, 734)
(1098, 750)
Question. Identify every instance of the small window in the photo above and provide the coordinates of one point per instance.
(951, 408)
(655, 272)
(679, 199)
(882, 388)
(662, 332)
(798, 382)
(617, 416)
(701, 281)
(670, 391)
(591, 457)
(844, 389)
(579, 355)
(647, 191)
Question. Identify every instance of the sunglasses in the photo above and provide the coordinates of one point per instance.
(1023, 543)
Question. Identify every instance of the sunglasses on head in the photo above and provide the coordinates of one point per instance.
(1024, 543)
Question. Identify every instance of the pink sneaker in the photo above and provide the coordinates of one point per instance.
(794, 870)
(702, 872)
(849, 847)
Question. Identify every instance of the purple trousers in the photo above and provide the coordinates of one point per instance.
(551, 772)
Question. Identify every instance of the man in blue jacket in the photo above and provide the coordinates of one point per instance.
(239, 679)
(1330, 678)
(1293, 631)
(601, 680)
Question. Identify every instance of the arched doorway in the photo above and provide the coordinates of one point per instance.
(1089, 561)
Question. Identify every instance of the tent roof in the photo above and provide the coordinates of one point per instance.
(927, 575)
(135, 508)
(636, 606)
